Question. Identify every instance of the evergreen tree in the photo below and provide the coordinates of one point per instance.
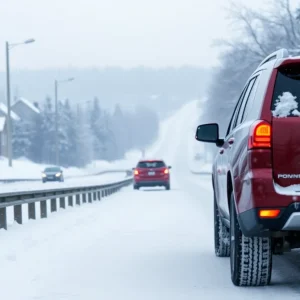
(48, 129)
(37, 139)
(102, 134)
(22, 138)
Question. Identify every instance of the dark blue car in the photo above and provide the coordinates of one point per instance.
(53, 174)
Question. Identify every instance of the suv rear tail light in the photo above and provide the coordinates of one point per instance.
(260, 135)
(166, 171)
(136, 172)
(269, 213)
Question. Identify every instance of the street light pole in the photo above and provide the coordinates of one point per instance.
(9, 123)
(9, 131)
(56, 83)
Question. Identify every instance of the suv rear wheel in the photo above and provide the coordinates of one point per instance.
(250, 257)
(222, 236)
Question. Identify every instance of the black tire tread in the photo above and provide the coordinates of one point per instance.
(222, 235)
(254, 261)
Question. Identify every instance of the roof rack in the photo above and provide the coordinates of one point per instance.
(281, 53)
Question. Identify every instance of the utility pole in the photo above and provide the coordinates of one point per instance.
(9, 46)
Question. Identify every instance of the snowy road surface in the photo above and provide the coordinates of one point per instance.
(150, 244)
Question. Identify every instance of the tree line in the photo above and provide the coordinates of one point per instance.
(86, 133)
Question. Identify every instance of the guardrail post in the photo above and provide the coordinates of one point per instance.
(78, 199)
(43, 209)
(95, 196)
(84, 197)
(102, 194)
(99, 195)
(31, 211)
(62, 202)
(90, 197)
(3, 218)
(70, 200)
(53, 205)
(18, 213)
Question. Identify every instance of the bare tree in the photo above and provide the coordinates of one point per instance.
(258, 34)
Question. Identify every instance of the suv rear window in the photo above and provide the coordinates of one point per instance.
(151, 164)
(286, 96)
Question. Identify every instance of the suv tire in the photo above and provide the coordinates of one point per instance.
(250, 257)
(222, 236)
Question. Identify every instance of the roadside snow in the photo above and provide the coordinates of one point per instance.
(71, 182)
(148, 244)
(286, 105)
(26, 169)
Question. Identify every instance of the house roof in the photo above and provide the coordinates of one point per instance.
(14, 116)
(28, 103)
(2, 123)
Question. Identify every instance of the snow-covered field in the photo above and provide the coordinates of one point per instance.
(78, 182)
(150, 244)
(23, 168)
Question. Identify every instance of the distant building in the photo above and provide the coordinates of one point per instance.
(22, 109)
(25, 109)
(3, 112)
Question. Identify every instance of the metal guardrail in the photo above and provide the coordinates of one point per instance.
(12, 180)
(81, 195)
(201, 173)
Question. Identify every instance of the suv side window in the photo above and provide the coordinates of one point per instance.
(245, 100)
(249, 102)
(236, 110)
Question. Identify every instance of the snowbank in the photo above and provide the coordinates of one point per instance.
(25, 169)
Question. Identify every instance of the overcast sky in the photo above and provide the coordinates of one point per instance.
(126, 33)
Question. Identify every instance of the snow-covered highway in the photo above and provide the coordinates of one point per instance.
(149, 244)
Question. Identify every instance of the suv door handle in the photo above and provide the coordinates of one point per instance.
(231, 141)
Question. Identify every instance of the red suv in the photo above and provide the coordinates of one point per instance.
(256, 173)
(151, 173)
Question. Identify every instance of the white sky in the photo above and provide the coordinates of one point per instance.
(126, 33)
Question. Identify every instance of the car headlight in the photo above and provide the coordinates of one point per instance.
(44, 175)
(58, 174)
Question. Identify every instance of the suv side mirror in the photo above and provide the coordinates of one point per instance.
(209, 133)
(170, 167)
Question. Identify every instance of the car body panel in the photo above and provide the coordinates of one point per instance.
(151, 176)
(252, 175)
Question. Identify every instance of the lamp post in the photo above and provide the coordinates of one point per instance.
(56, 83)
(8, 47)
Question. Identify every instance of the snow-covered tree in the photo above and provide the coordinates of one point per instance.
(37, 139)
(22, 138)
(261, 33)
(48, 129)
